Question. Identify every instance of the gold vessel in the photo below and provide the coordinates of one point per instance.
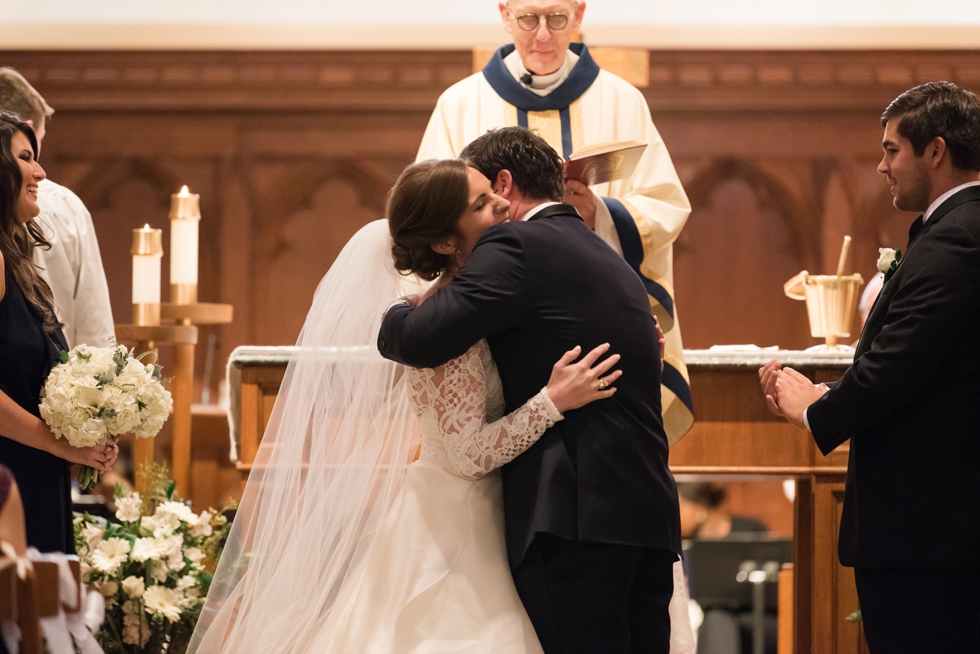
(830, 303)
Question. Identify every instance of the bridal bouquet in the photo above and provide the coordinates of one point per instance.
(154, 568)
(97, 392)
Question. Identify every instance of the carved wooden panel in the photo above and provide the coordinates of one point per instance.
(293, 151)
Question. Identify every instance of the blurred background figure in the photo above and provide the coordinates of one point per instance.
(703, 517)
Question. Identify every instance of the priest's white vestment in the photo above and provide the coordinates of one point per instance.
(639, 217)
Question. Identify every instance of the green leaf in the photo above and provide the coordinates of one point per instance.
(64, 356)
(170, 489)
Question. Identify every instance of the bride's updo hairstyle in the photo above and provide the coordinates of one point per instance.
(423, 208)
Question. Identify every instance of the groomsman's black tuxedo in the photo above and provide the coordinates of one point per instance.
(910, 405)
(599, 478)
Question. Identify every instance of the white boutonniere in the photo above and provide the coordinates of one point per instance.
(888, 260)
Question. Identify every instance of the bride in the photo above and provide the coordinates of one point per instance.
(341, 543)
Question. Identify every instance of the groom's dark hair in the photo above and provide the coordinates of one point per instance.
(538, 171)
(939, 109)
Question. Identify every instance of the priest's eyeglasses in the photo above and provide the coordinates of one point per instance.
(530, 22)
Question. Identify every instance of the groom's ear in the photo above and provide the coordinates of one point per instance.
(504, 184)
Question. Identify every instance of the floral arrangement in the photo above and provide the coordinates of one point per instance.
(154, 567)
(98, 392)
(888, 260)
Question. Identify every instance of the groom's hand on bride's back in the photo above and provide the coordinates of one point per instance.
(573, 385)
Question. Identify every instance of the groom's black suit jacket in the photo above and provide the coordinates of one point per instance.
(536, 289)
(910, 405)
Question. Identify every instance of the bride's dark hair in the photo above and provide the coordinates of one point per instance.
(423, 208)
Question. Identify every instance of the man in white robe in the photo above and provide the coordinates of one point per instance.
(552, 86)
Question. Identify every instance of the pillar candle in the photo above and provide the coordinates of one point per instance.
(147, 251)
(185, 214)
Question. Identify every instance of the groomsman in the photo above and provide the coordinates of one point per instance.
(910, 403)
(553, 87)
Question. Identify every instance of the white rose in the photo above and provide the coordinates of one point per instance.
(110, 554)
(134, 586)
(109, 588)
(886, 259)
(129, 508)
(160, 600)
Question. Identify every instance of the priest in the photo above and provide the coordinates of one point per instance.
(552, 86)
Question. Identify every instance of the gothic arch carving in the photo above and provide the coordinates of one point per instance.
(802, 221)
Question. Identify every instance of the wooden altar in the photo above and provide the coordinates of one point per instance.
(734, 435)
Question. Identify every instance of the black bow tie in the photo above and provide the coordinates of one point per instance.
(915, 229)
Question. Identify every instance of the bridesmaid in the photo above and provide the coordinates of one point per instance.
(30, 344)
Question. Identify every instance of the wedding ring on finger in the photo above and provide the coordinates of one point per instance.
(603, 384)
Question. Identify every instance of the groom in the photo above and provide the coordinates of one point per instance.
(591, 513)
(910, 403)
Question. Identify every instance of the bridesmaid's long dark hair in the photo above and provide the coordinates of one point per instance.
(18, 240)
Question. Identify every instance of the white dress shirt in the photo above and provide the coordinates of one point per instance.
(73, 267)
(534, 210)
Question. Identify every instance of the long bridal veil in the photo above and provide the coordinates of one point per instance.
(332, 460)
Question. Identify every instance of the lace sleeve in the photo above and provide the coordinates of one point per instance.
(474, 446)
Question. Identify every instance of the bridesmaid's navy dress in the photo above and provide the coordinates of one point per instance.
(27, 354)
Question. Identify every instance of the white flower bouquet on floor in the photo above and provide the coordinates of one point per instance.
(98, 392)
(154, 567)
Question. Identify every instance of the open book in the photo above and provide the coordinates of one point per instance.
(604, 162)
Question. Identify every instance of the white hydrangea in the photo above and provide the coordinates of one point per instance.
(89, 398)
(189, 589)
(175, 552)
(146, 549)
(134, 586)
(162, 524)
(196, 557)
(92, 533)
(129, 508)
(179, 509)
(200, 526)
(160, 600)
(110, 554)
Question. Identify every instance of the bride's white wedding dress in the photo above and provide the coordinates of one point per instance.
(437, 579)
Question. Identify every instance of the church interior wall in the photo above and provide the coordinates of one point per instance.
(293, 151)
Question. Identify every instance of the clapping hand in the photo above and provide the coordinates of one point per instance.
(768, 374)
(788, 392)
